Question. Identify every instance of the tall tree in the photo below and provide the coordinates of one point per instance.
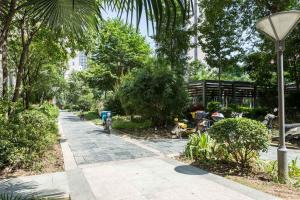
(220, 34)
(119, 48)
(58, 13)
(173, 43)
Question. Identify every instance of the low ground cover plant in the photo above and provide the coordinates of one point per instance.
(128, 124)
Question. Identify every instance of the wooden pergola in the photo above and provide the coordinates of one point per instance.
(232, 92)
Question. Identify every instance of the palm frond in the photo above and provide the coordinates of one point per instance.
(77, 15)
(83, 14)
(155, 11)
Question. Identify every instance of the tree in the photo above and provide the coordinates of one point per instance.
(220, 34)
(173, 43)
(79, 14)
(39, 67)
(100, 79)
(78, 94)
(257, 61)
(119, 48)
(156, 93)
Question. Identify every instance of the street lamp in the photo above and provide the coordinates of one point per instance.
(278, 26)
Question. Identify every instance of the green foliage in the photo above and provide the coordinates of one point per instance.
(85, 102)
(50, 110)
(294, 169)
(154, 93)
(214, 106)
(243, 138)
(172, 44)
(252, 113)
(121, 123)
(292, 100)
(100, 78)
(25, 137)
(269, 167)
(119, 48)
(199, 147)
(78, 95)
(113, 104)
(203, 147)
(221, 34)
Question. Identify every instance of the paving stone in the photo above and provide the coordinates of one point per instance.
(90, 144)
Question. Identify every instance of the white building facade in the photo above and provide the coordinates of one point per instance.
(78, 63)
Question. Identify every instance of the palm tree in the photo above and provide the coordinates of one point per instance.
(80, 14)
(77, 16)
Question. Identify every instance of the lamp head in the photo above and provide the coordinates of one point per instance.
(279, 25)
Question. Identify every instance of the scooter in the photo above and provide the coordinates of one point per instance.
(292, 130)
(207, 121)
(108, 123)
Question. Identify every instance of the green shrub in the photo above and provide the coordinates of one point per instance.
(113, 104)
(269, 167)
(292, 100)
(253, 113)
(50, 110)
(199, 147)
(121, 123)
(85, 102)
(214, 106)
(203, 147)
(25, 137)
(155, 93)
(243, 138)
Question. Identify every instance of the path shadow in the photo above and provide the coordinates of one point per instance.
(26, 189)
(189, 170)
(72, 119)
(62, 140)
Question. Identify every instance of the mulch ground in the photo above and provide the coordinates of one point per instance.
(51, 162)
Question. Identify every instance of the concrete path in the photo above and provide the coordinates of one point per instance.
(54, 185)
(90, 144)
(102, 166)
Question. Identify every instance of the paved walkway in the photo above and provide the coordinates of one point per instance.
(53, 185)
(112, 167)
(90, 144)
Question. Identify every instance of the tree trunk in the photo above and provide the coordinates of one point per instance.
(219, 86)
(297, 80)
(20, 71)
(7, 21)
(4, 69)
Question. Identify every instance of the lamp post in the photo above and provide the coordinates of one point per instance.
(278, 26)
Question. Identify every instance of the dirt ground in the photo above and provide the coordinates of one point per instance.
(256, 180)
(51, 162)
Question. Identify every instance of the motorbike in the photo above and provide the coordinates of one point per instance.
(108, 124)
(179, 128)
(207, 121)
(292, 131)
